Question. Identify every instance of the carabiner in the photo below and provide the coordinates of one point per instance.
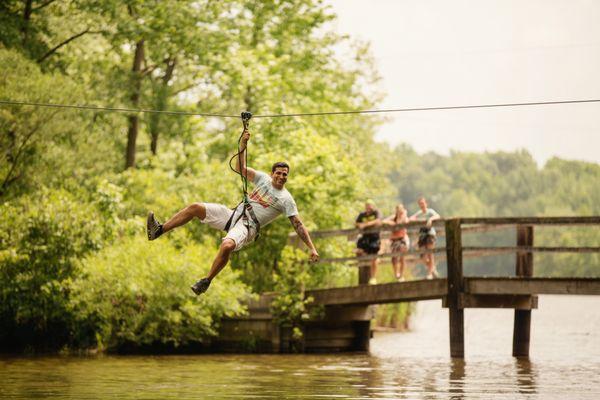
(246, 115)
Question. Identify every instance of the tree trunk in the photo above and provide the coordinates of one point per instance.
(26, 18)
(136, 88)
(161, 100)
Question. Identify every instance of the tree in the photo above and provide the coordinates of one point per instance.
(30, 135)
(283, 63)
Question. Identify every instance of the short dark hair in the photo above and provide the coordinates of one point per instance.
(280, 164)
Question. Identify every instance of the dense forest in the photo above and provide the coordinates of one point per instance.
(76, 269)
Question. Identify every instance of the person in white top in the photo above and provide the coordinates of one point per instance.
(268, 200)
(427, 236)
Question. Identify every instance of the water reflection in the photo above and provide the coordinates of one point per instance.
(457, 376)
(525, 376)
(349, 376)
(370, 376)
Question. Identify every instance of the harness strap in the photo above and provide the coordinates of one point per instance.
(248, 209)
(229, 224)
(247, 213)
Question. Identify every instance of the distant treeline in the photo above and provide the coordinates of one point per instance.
(508, 184)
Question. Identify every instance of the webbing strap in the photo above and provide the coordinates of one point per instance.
(247, 213)
(229, 224)
(250, 211)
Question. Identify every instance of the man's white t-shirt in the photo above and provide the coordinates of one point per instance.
(268, 202)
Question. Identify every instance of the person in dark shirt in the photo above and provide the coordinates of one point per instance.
(369, 243)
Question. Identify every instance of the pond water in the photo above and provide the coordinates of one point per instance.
(564, 363)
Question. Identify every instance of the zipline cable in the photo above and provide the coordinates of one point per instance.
(310, 114)
(113, 109)
(393, 110)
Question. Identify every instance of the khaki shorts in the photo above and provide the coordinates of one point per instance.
(217, 216)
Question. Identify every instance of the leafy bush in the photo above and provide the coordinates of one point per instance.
(42, 237)
(136, 293)
(290, 307)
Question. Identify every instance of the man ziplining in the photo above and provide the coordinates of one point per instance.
(242, 224)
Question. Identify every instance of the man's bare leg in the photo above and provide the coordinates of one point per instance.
(225, 250)
(430, 263)
(222, 257)
(425, 259)
(431, 266)
(374, 263)
(184, 216)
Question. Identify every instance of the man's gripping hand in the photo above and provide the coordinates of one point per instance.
(245, 136)
(314, 256)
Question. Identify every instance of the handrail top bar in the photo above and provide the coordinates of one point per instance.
(532, 220)
(349, 231)
(587, 220)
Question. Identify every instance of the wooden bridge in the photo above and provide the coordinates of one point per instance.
(346, 322)
(457, 291)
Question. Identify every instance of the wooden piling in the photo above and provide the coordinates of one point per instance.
(455, 287)
(524, 268)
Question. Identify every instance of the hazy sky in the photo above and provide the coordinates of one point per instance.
(458, 52)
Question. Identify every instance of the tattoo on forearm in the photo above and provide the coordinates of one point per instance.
(301, 230)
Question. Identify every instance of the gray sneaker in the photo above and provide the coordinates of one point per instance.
(201, 286)
(153, 227)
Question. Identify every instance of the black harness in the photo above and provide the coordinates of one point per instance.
(247, 213)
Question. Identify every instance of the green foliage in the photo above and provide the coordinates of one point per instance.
(393, 315)
(291, 307)
(136, 293)
(42, 237)
(33, 144)
(468, 184)
(507, 184)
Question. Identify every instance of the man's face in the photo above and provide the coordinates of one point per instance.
(422, 204)
(279, 176)
(368, 207)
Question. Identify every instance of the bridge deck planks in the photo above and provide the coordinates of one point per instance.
(379, 294)
(520, 286)
(436, 289)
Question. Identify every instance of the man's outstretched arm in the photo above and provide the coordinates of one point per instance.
(303, 234)
(240, 162)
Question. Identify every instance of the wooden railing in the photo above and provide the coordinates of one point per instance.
(478, 225)
(524, 269)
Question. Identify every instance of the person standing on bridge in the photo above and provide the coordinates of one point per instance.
(369, 243)
(268, 200)
(400, 242)
(427, 235)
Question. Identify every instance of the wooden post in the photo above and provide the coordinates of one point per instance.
(524, 267)
(455, 287)
(364, 272)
